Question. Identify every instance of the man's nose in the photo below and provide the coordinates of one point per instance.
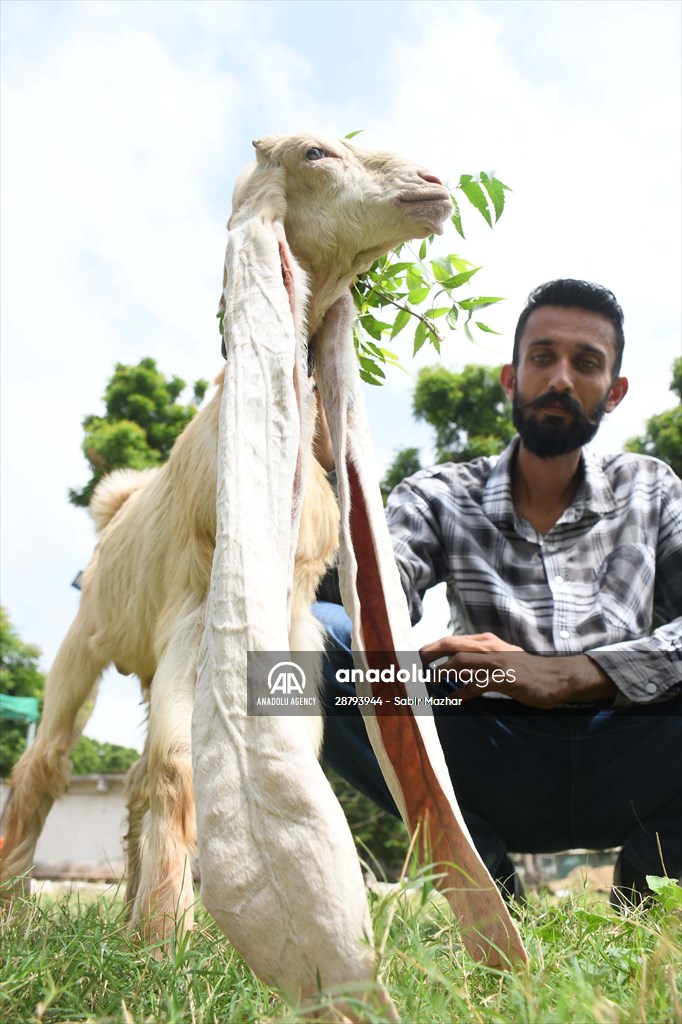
(560, 377)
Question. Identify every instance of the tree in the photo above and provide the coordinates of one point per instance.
(469, 412)
(662, 435)
(90, 757)
(405, 463)
(19, 677)
(142, 419)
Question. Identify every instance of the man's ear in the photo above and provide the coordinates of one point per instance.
(508, 380)
(619, 390)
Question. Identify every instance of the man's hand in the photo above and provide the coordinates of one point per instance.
(485, 662)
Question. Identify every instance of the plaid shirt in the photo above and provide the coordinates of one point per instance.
(608, 569)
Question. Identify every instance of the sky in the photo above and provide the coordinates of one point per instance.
(124, 125)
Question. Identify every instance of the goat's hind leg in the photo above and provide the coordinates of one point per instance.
(42, 773)
(137, 802)
(165, 893)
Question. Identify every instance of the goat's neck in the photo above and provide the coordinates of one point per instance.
(323, 295)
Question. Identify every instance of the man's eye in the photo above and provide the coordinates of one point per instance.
(315, 153)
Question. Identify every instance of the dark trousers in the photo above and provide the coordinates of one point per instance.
(534, 781)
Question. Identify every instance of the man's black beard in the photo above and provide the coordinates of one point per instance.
(554, 436)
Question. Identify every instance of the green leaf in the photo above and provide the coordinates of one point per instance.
(459, 263)
(480, 302)
(414, 277)
(402, 320)
(419, 337)
(456, 217)
(370, 366)
(418, 295)
(459, 279)
(439, 311)
(389, 357)
(396, 268)
(351, 135)
(442, 268)
(495, 189)
(476, 196)
(422, 250)
(666, 891)
(484, 327)
(452, 317)
(371, 325)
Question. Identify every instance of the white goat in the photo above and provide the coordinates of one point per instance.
(178, 595)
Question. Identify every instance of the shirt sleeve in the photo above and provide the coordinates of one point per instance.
(650, 668)
(417, 543)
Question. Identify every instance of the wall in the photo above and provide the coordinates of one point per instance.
(83, 834)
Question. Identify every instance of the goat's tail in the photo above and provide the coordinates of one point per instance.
(113, 491)
(42, 773)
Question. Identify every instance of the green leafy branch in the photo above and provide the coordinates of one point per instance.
(395, 292)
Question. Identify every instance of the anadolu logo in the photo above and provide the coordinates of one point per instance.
(286, 677)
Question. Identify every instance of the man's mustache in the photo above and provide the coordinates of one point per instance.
(554, 398)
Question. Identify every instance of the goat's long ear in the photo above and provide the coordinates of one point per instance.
(260, 792)
(259, 194)
(260, 190)
(406, 744)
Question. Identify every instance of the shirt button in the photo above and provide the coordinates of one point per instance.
(651, 687)
(564, 634)
(558, 580)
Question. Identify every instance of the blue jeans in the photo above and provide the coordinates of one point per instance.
(533, 781)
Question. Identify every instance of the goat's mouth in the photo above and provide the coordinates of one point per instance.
(429, 207)
(435, 195)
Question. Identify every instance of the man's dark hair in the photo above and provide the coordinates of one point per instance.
(581, 294)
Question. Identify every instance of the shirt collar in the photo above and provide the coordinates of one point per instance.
(595, 494)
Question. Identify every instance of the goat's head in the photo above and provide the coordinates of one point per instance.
(341, 206)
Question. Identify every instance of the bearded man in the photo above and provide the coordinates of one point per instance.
(564, 573)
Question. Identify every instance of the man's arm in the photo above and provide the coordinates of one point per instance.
(648, 667)
(417, 544)
(491, 664)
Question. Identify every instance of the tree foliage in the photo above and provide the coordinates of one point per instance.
(142, 418)
(90, 757)
(405, 463)
(662, 435)
(469, 412)
(19, 677)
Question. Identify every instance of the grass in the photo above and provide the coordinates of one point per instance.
(71, 959)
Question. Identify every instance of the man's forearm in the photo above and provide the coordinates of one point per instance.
(581, 679)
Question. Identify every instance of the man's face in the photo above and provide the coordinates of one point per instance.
(563, 383)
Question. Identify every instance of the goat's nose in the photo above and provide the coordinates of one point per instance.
(427, 176)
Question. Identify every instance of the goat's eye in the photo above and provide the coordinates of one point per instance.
(315, 153)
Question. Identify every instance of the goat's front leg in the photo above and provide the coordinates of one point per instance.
(42, 773)
(165, 896)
